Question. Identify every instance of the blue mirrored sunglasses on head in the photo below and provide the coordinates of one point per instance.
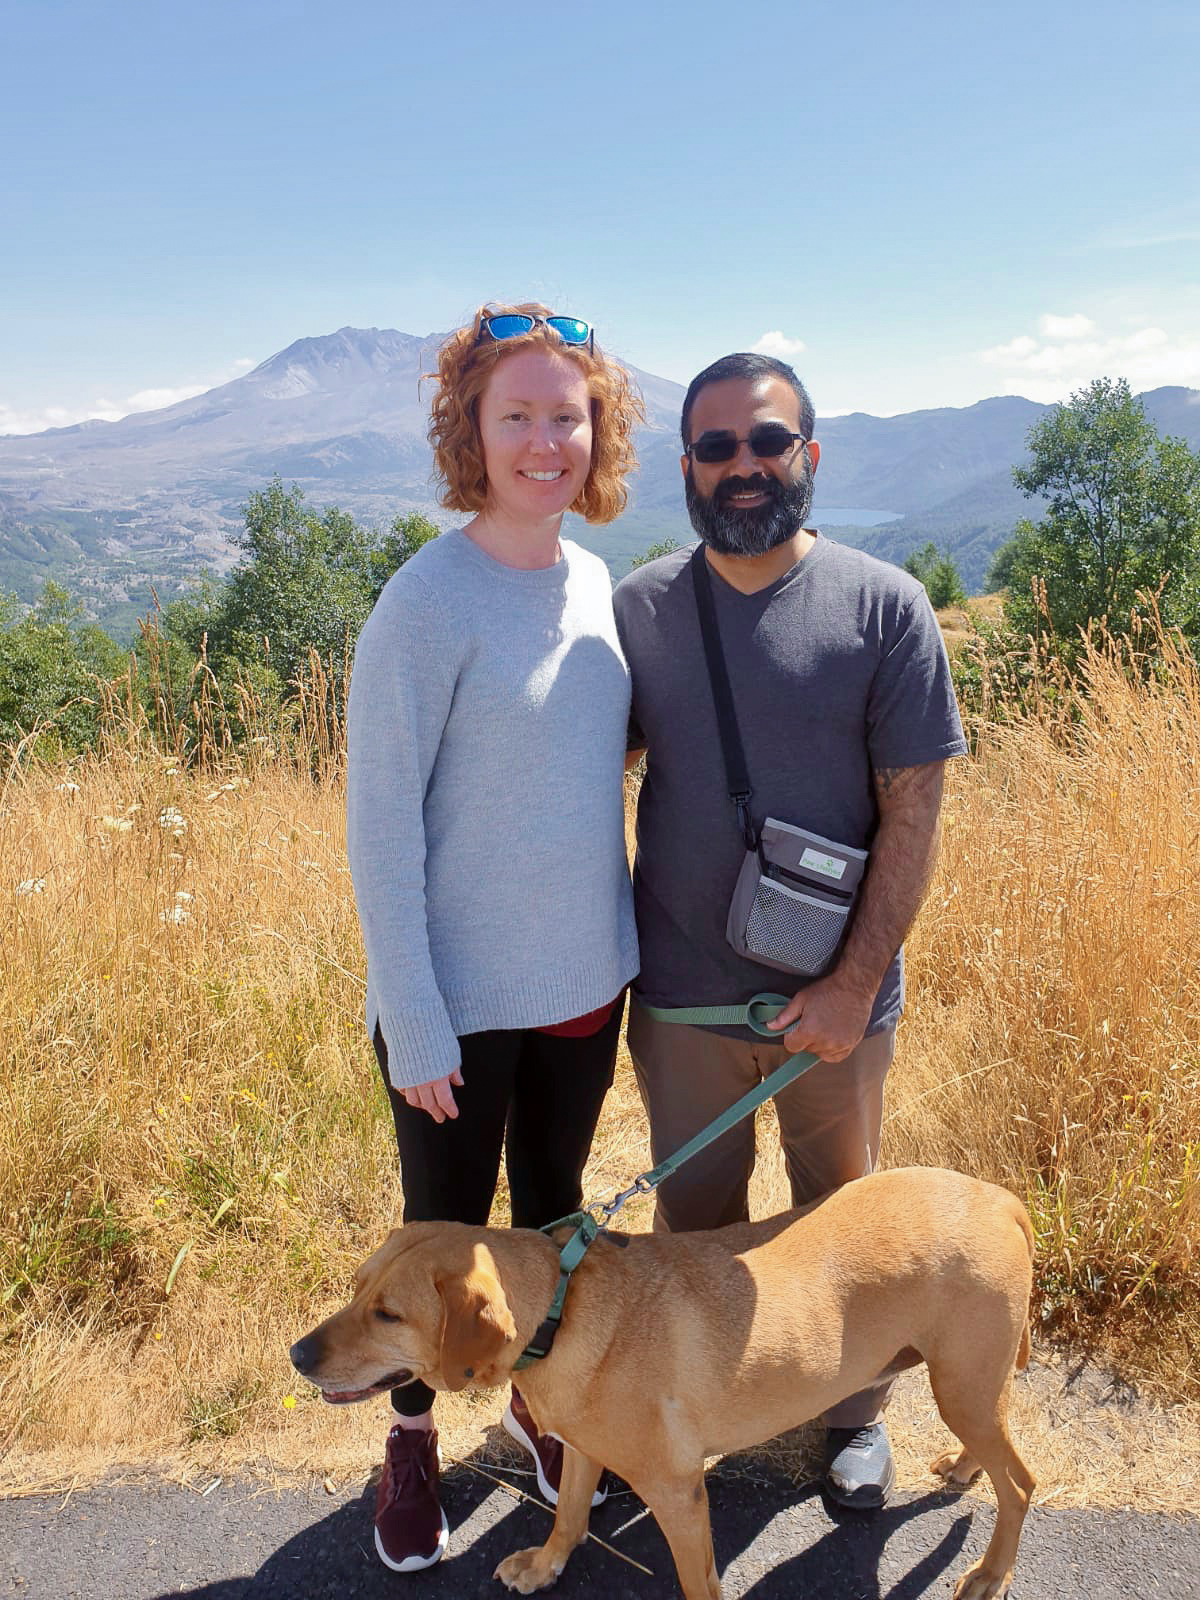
(511, 324)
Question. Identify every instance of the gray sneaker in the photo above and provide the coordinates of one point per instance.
(859, 1470)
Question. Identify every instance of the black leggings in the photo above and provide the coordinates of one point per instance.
(536, 1094)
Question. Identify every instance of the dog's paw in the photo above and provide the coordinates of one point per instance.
(958, 1468)
(528, 1570)
(976, 1584)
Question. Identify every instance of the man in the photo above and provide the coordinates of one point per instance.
(843, 698)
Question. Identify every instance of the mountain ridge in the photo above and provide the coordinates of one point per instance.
(154, 498)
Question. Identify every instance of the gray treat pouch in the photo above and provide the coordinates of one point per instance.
(793, 897)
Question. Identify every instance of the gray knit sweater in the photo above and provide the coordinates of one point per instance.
(485, 820)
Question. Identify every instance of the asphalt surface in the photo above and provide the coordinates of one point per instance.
(240, 1542)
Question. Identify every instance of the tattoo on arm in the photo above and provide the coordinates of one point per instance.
(903, 855)
(916, 790)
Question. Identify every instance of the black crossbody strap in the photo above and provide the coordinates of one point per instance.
(736, 775)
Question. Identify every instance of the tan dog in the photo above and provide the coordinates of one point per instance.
(675, 1347)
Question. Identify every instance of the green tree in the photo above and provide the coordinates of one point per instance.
(52, 670)
(304, 583)
(1000, 569)
(404, 539)
(937, 570)
(307, 581)
(1123, 517)
(662, 549)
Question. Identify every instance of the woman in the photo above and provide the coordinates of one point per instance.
(486, 732)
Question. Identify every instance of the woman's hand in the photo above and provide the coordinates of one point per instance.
(437, 1098)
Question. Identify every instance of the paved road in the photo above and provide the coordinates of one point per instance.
(772, 1541)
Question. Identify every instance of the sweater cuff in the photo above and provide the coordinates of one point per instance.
(421, 1046)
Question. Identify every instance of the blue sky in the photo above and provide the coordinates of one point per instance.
(918, 205)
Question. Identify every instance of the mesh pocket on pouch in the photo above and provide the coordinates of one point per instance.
(792, 928)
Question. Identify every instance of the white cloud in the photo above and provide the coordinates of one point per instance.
(18, 419)
(1074, 351)
(156, 399)
(1147, 339)
(1016, 350)
(1066, 327)
(15, 420)
(777, 344)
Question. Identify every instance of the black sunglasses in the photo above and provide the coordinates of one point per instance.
(766, 440)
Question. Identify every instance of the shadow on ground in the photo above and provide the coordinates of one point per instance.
(771, 1541)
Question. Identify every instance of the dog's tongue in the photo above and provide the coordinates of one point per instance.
(341, 1397)
(345, 1397)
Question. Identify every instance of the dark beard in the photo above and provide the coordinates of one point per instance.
(752, 532)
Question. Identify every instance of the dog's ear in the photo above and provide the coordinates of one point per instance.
(477, 1324)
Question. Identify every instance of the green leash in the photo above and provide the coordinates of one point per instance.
(755, 1014)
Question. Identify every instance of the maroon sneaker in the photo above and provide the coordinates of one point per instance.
(410, 1525)
(545, 1448)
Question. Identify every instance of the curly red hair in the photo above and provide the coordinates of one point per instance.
(466, 362)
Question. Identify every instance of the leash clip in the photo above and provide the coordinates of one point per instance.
(619, 1201)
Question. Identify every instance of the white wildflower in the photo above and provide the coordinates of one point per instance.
(172, 820)
(32, 886)
(228, 788)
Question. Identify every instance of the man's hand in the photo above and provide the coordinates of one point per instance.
(828, 1018)
(437, 1098)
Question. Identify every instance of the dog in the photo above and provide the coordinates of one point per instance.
(676, 1347)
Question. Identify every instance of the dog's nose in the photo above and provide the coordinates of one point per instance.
(304, 1354)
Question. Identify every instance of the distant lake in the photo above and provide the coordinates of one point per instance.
(853, 517)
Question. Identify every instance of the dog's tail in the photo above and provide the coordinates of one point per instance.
(1024, 1350)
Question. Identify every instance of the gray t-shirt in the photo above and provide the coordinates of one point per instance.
(837, 669)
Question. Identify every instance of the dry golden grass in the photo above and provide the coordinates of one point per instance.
(1054, 1038)
(195, 1150)
(956, 621)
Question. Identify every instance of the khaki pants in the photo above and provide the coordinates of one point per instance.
(830, 1122)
